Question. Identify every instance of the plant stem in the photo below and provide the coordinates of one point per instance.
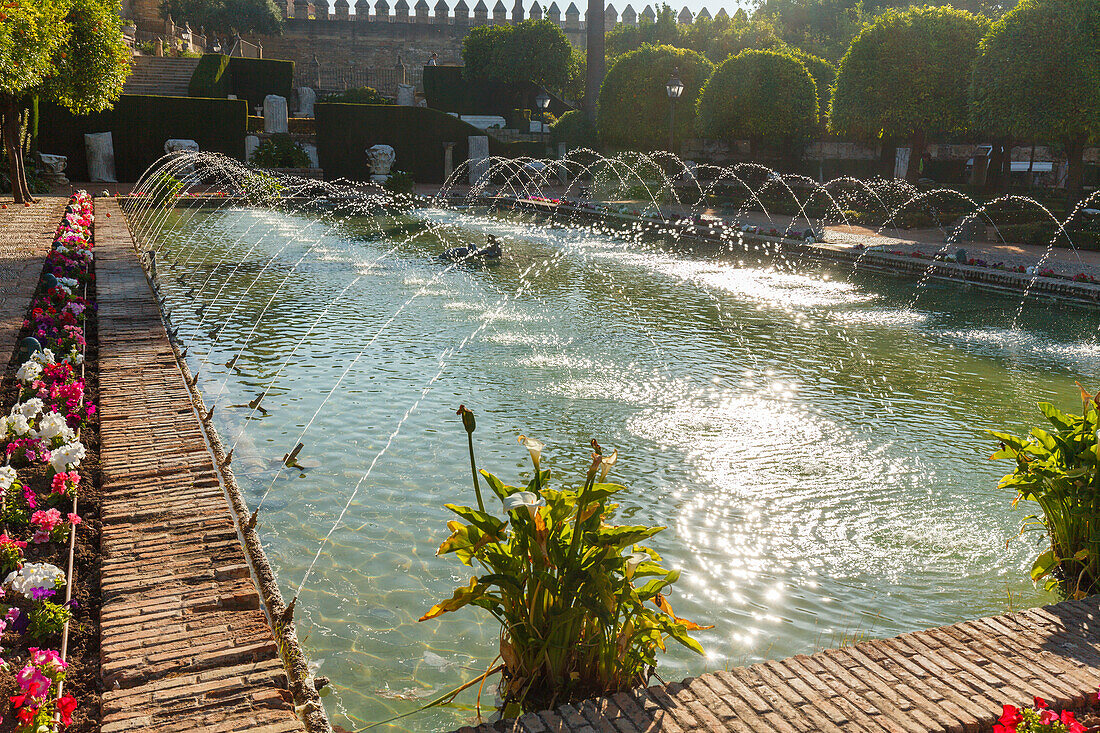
(473, 470)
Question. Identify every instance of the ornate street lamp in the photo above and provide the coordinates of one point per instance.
(675, 88)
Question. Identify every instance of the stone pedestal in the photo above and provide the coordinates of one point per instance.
(478, 156)
(311, 151)
(275, 114)
(99, 147)
(53, 169)
(406, 95)
(306, 99)
(251, 142)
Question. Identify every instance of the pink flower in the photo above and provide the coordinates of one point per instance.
(1048, 716)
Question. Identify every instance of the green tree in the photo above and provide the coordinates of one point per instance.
(1037, 77)
(824, 75)
(66, 51)
(659, 32)
(228, 16)
(530, 51)
(764, 96)
(907, 75)
(634, 107)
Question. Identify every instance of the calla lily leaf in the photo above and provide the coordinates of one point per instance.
(461, 597)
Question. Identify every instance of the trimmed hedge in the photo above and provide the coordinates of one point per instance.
(218, 75)
(210, 78)
(417, 135)
(448, 90)
(140, 125)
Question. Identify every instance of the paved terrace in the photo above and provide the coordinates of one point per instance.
(185, 645)
(954, 678)
(25, 237)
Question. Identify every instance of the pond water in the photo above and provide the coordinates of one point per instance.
(814, 445)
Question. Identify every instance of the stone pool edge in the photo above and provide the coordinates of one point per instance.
(307, 709)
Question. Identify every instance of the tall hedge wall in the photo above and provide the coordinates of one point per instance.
(447, 90)
(417, 135)
(140, 125)
(218, 75)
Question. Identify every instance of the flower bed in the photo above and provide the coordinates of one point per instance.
(49, 599)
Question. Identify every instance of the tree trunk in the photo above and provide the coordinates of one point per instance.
(595, 58)
(995, 179)
(917, 146)
(9, 132)
(1075, 178)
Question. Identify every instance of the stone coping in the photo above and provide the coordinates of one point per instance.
(951, 679)
(185, 643)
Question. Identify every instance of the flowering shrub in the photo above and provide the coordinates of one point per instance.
(42, 449)
(560, 577)
(1039, 719)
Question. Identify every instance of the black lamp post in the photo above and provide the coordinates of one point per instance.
(675, 88)
(543, 101)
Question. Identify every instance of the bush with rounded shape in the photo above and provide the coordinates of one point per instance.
(824, 75)
(280, 151)
(1037, 77)
(633, 110)
(573, 129)
(362, 95)
(907, 75)
(764, 96)
(530, 51)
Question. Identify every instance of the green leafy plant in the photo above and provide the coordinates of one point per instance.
(165, 189)
(261, 189)
(46, 620)
(362, 95)
(400, 182)
(280, 151)
(1058, 471)
(560, 578)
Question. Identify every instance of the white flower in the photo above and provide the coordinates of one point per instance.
(35, 575)
(534, 447)
(29, 371)
(606, 462)
(53, 426)
(71, 282)
(7, 478)
(523, 498)
(17, 425)
(633, 560)
(28, 409)
(44, 356)
(66, 457)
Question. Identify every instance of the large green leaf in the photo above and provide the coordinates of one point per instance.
(1044, 564)
(484, 521)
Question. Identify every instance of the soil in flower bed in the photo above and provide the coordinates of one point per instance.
(82, 678)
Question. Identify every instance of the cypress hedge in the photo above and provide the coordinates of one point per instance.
(448, 90)
(140, 125)
(417, 135)
(218, 75)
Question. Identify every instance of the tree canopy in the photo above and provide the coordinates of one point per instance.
(764, 96)
(530, 51)
(1037, 76)
(716, 38)
(227, 16)
(826, 27)
(823, 73)
(67, 51)
(908, 75)
(633, 109)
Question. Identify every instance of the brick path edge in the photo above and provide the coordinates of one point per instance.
(186, 642)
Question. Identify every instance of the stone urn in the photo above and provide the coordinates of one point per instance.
(381, 159)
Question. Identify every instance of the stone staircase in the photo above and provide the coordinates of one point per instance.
(160, 76)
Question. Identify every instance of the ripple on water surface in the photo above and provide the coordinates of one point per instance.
(813, 446)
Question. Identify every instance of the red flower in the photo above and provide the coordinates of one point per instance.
(1010, 718)
(66, 705)
(17, 700)
(1048, 717)
(1040, 703)
(26, 715)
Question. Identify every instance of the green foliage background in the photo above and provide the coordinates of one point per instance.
(530, 51)
(634, 106)
(907, 73)
(760, 95)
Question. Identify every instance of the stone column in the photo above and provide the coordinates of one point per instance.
(448, 160)
(275, 114)
(406, 95)
(99, 148)
(306, 99)
(478, 156)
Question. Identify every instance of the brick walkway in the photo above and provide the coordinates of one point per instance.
(25, 237)
(954, 678)
(185, 646)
